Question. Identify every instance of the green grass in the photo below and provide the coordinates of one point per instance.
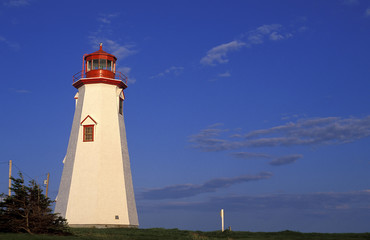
(174, 234)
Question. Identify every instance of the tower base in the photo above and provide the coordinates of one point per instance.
(102, 226)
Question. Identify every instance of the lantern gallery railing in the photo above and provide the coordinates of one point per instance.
(117, 76)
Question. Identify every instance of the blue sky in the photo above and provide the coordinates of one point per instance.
(257, 107)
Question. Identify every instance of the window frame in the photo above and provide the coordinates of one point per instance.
(92, 133)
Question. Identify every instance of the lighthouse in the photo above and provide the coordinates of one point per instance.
(96, 186)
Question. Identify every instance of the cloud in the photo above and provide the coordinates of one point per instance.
(208, 140)
(13, 45)
(176, 71)
(20, 91)
(16, 3)
(285, 160)
(367, 12)
(273, 32)
(314, 131)
(220, 75)
(119, 50)
(267, 29)
(103, 34)
(106, 18)
(350, 2)
(328, 130)
(224, 75)
(277, 161)
(308, 203)
(276, 36)
(248, 155)
(219, 53)
(126, 71)
(190, 190)
(115, 47)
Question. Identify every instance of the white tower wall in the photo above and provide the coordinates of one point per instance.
(96, 186)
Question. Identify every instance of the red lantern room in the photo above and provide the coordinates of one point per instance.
(99, 67)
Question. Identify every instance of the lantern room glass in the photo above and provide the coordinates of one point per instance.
(96, 64)
(109, 65)
(103, 64)
(88, 65)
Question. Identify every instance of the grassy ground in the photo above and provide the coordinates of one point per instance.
(173, 234)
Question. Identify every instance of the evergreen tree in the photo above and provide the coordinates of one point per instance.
(28, 210)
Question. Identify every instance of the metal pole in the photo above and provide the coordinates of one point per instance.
(10, 177)
(47, 185)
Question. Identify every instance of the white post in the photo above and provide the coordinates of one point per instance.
(222, 220)
(10, 177)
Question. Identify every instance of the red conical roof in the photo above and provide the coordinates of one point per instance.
(100, 53)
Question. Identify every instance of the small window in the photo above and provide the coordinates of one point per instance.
(88, 65)
(88, 133)
(120, 106)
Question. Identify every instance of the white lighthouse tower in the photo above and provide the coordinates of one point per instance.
(96, 186)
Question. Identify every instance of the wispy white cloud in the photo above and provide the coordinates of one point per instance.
(248, 155)
(267, 29)
(367, 12)
(13, 45)
(219, 53)
(103, 34)
(126, 71)
(314, 131)
(350, 2)
(273, 32)
(120, 50)
(321, 203)
(220, 75)
(285, 160)
(107, 18)
(276, 161)
(173, 71)
(276, 36)
(20, 91)
(16, 3)
(190, 190)
(225, 74)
